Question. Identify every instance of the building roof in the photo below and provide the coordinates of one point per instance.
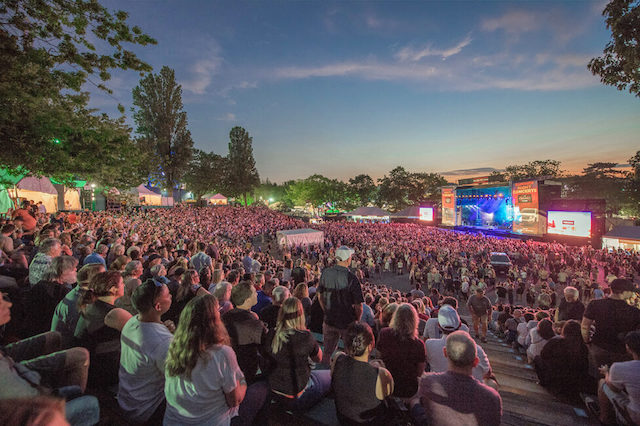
(624, 232)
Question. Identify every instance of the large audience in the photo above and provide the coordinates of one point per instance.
(195, 316)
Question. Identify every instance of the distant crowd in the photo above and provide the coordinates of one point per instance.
(196, 316)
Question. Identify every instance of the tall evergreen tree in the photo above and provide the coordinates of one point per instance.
(242, 174)
(162, 127)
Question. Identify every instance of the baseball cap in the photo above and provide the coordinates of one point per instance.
(448, 318)
(343, 253)
(620, 285)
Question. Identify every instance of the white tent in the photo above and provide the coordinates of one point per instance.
(72, 199)
(216, 199)
(300, 237)
(36, 189)
(369, 214)
(147, 197)
(622, 237)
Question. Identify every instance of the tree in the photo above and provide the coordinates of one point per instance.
(425, 187)
(632, 186)
(533, 169)
(46, 58)
(363, 188)
(600, 180)
(242, 175)
(620, 64)
(162, 127)
(206, 173)
(392, 189)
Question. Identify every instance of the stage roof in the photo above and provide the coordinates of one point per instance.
(412, 212)
(624, 232)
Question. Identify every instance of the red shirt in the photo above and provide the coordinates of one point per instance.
(29, 221)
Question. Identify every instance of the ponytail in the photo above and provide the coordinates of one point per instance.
(87, 297)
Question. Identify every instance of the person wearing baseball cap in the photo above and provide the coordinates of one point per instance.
(340, 296)
(448, 322)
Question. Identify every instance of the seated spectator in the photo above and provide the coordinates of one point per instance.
(189, 288)
(246, 331)
(203, 382)
(570, 306)
(360, 387)
(432, 328)
(66, 314)
(539, 337)
(455, 397)
(269, 314)
(45, 296)
(302, 293)
(98, 256)
(36, 367)
(512, 324)
(49, 249)
(119, 264)
(562, 365)
(621, 386)
(524, 328)
(144, 345)
(222, 292)
(264, 296)
(291, 345)
(402, 351)
(367, 313)
(99, 326)
(449, 321)
(36, 411)
(385, 317)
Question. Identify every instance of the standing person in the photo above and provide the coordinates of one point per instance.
(455, 397)
(144, 345)
(612, 318)
(203, 382)
(480, 307)
(292, 381)
(340, 296)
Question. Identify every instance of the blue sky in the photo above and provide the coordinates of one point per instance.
(342, 88)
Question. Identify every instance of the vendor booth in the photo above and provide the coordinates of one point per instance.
(69, 194)
(368, 215)
(147, 197)
(622, 237)
(300, 237)
(21, 187)
(215, 199)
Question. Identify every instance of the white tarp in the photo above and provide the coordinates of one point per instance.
(147, 197)
(36, 189)
(300, 237)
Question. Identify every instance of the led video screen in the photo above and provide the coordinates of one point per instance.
(426, 214)
(574, 224)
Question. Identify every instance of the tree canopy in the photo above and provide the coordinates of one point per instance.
(162, 127)
(619, 66)
(533, 169)
(50, 49)
(206, 173)
(242, 174)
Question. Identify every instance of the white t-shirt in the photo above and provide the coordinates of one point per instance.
(144, 347)
(439, 364)
(200, 400)
(626, 375)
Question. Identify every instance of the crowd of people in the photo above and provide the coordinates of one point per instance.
(195, 316)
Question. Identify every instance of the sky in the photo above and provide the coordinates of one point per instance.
(343, 88)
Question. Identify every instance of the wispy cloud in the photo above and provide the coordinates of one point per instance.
(201, 72)
(366, 70)
(409, 54)
(227, 117)
(513, 22)
(465, 172)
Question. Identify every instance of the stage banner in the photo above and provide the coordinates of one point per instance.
(526, 211)
(449, 206)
